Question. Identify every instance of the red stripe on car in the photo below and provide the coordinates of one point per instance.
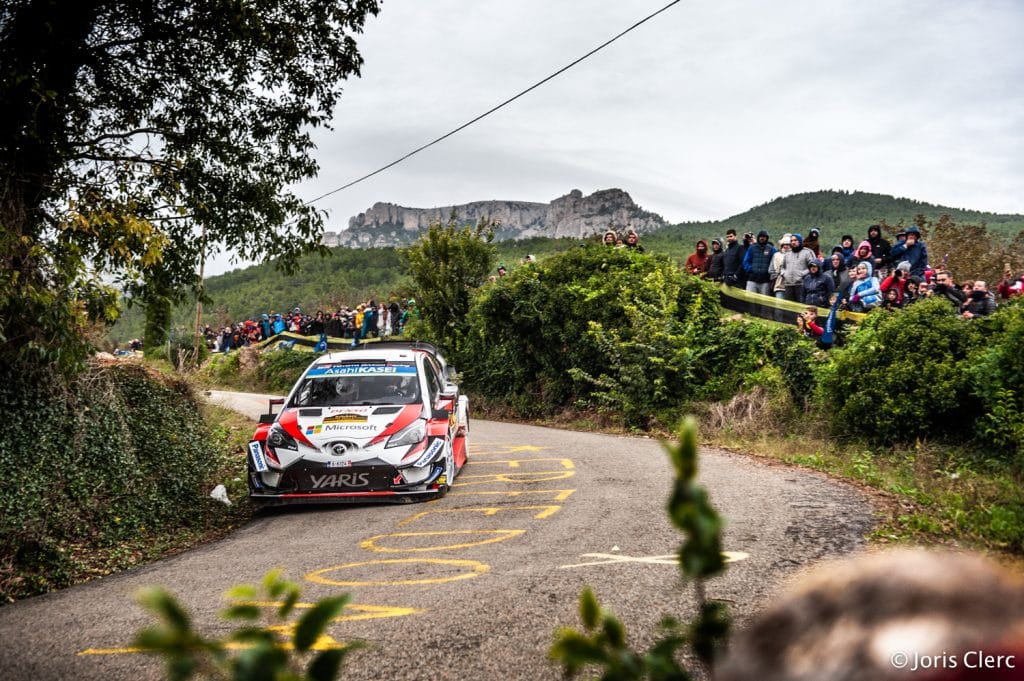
(409, 413)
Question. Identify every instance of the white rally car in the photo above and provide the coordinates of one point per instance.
(382, 422)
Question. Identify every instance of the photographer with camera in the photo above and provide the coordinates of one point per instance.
(944, 288)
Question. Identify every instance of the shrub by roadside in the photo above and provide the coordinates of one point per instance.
(105, 472)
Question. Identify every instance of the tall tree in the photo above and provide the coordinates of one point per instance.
(130, 126)
(447, 265)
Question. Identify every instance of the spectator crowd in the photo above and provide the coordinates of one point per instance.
(366, 320)
(874, 274)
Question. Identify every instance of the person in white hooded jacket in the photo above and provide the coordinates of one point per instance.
(865, 292)
(795, 266)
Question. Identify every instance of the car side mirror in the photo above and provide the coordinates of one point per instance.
(271, 415)
(450, 373)
(450, 392)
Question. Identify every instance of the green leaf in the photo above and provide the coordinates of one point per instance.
(327, 665)
(272, 582)
(614, 632)
(261, 663)
(574, 650)
(314, 622)
(164, 605)
(288, 604)
(242, 612)
(590, 611)
(243, 592)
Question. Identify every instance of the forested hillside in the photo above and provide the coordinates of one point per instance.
(834, 212)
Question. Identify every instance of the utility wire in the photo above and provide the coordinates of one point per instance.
(499, 106)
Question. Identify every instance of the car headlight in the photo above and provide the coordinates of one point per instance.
(278, 439)
(412, 434)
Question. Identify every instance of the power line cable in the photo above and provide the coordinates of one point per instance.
(499, 106)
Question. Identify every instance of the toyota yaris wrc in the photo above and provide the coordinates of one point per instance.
(382, 422)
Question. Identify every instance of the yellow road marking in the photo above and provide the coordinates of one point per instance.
(514, 463)
(497, 536)
(560, 494)
(366, 612)
(477, 569)
(535, 476)
(545, 511)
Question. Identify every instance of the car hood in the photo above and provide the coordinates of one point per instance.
(351, 435)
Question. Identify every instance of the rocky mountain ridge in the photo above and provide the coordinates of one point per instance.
(573, 215)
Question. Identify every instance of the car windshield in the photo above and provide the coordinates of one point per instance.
(336, 386)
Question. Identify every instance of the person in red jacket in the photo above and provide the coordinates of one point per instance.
(1009, 286)
(697, 263)
(807, 324)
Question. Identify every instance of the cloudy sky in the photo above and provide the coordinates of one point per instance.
(710, 108)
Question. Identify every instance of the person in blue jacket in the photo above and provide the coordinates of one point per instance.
(912, 251)
(865, 292)
(278, 324)
(757, 264)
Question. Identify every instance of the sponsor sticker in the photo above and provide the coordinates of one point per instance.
(339, 464)
(349, 410)
(346, 418)
(313, 430)
(340, 480)
(364, 370)
(432, 450)
(256, 454)
(442, 480)
(335, 427)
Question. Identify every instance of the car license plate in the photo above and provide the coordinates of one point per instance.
(257, 458)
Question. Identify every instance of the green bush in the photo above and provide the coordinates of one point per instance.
(531, 328)
(621, 331)
(903, 376)
(997, 379)
(111, 456)
(279, 369)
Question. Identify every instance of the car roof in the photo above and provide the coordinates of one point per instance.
(351, 356)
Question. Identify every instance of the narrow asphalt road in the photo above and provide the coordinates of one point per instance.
(471, 586)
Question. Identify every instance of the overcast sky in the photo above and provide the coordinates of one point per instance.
(710, 108)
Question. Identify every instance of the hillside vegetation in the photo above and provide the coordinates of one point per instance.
(348, 276)
(835, 213)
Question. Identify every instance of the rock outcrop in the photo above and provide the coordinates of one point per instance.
(572, 215)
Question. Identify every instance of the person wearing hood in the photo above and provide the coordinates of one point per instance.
(865, 292)
(846, 243)
(716, 261)
(732, 261)
(835, 268)
(610, 237)
(279, 325)
(266, 326)
(818, 287)
(778, 288)
(697, 263)
(862, 254)
(813, 243)
(913, 251)
(757, 264)
(796, 266)
(898, 280)
(879, 247)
